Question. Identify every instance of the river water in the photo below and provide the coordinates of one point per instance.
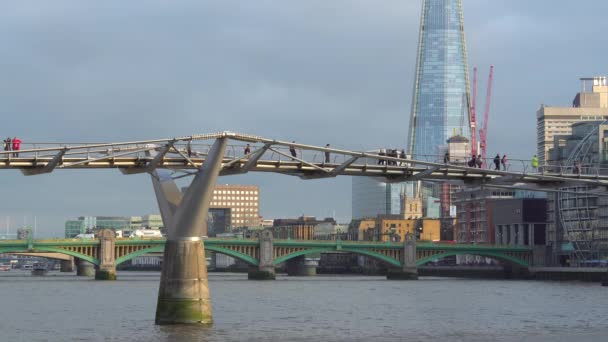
(63, 307)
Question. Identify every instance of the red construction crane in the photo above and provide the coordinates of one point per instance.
(472, 115)
(483, 131)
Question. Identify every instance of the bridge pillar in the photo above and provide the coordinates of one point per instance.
(183, 294)
(265, 270)
(84, 268)
(106, 255)
(302, 266)
(512, 235)
(67, 265)
(409, 270)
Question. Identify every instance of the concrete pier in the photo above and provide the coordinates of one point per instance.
(84, 268)
(409, 270)
(265, 270)
(183, 296)
(67, 265)
(106, 254)
(302, 266)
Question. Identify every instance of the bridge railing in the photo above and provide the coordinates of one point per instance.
(198, 149)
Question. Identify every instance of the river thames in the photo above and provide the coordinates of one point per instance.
(63, 307)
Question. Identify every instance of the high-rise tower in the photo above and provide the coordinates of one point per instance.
(441, 97)
(440, 109)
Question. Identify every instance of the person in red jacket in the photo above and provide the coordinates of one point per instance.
(16, 146)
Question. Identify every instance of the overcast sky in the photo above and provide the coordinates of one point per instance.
(326, 71)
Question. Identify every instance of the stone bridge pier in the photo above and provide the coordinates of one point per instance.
(302, 266)
(265, 270)
(67, 265)
(408, 270)
(84, 268)
(106, 270)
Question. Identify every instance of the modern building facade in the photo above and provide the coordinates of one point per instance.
(243, 202)
(84, 224)
(474, 213)
(372, 197)
(440, 103)
(553, 122)
(577, 218)
(520, 221)
(302, 228)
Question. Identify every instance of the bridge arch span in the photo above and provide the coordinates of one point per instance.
(84, 257)
(159, 249)
(493, 255)
(377, 256)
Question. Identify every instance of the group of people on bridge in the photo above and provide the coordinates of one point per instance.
(292, 151)
(390, 153)
(13, 144)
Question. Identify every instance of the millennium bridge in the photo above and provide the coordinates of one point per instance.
(184, 293)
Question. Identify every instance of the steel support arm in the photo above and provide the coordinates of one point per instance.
(191, 215)
(49, 167)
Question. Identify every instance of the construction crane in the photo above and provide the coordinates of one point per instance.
(483, 131)
(472, 119)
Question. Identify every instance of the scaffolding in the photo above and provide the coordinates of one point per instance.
(577, 205)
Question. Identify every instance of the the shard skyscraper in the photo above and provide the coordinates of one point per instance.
(440, 110)
(441, 96)
(440, 102)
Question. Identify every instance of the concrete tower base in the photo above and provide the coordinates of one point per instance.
(183, 296)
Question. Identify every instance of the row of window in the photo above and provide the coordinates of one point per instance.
(244, 215)
(235, 198)
(235, 192)
(233, 204)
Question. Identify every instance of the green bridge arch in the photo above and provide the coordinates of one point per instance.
(92, 260)
(493, 255)
(377, 256)
(158, 249)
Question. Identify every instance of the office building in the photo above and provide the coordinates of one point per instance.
(302, 228)
(474, 213)
(519, 221)
(372, 197)
(553, 123)
(243, 202)
(85, 224)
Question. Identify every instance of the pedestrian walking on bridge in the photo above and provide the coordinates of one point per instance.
(534, 162)
(381, 153)
(473, 161)
(504, 162)
(327, 154)
(479, 161)
(247, 150)
(16, 146)
(497, 162)
(7, 144)
(292, 150)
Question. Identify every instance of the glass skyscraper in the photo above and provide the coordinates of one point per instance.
(440, 107)
(440, 102)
